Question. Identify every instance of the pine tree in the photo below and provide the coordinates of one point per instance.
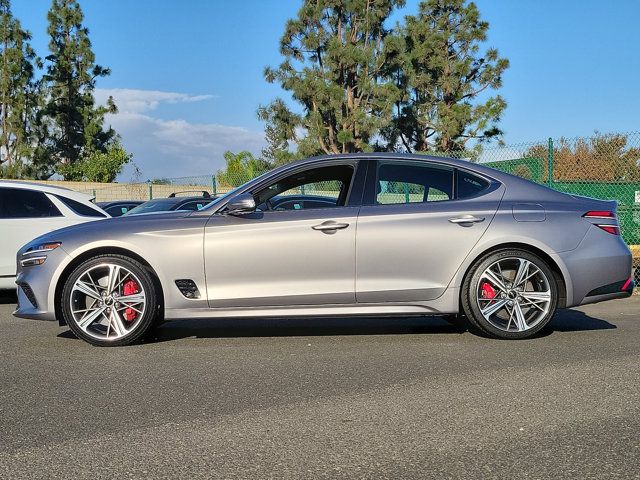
(441, 72)
(333, 60)
(18, 93)
(77, 123)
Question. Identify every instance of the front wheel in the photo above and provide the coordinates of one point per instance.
(510, 294)
(110, 300)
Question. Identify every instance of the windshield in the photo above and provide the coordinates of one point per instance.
(160, 205)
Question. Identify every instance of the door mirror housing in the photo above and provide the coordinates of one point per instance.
(243, 203)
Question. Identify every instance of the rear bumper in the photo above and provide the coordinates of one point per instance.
(599, 269)
(612, 291)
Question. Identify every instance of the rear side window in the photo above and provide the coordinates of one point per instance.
(469, 185)
(399, 183)
(22, 203)
(80, 208)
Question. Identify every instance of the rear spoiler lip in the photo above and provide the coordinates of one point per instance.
(610, 203)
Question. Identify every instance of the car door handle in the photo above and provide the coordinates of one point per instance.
(330, 226)
(466, 219)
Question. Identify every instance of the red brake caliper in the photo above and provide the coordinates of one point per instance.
(487, 290)
(129, 288)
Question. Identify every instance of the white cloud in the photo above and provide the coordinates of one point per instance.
(172, 148)
(131, 100)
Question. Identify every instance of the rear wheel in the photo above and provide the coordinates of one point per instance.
(510, 294)
(110, 300)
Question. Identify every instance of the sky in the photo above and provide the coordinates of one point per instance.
(187, 76)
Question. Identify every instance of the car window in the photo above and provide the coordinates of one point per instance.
(160, 205)
(80, 208)
(22, 203)
(469, 185)
(404, 182)
(193, 205)
(118, 210)
(318, 203)
(331, 182)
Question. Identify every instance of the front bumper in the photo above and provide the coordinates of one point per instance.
(36, 286)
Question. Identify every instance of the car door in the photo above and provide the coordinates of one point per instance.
(287, 257)
(418, 223)
(24, 215)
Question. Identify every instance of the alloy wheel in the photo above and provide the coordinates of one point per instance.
(514, 294)
(107, 301)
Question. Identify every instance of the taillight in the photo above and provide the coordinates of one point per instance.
(605, 215)
(612, 229)
(600, 214)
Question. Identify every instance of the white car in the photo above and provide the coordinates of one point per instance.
(28, 210)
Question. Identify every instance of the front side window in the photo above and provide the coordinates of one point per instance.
(322, 187)
(22, 203)
(399, 183)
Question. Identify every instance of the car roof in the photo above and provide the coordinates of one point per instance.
(43, 187)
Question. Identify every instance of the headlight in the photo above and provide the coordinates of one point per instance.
(42, 248)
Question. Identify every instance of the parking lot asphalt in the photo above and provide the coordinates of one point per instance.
(324, 398)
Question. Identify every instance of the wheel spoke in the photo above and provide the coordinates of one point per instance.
(131, 307)
(510, 318)
(87, 289)
(116, 323)
(491, 309)
(521, 322)
(521, 274)
(528, 303)
(494, 279)
(112, 279)
(88, 318)
(537, 296)
(133, 299)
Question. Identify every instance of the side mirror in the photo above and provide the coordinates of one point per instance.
(243, 203)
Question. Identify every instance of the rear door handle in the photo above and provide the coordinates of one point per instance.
(466, 219)
(330, 225)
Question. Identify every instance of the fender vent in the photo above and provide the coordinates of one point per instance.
(188, 288)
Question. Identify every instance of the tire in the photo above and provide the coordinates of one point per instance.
(501, 304)
(123, 314)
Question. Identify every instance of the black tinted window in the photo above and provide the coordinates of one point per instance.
(413, 183)
(80, 208)
(19, 203)
(192, 205)
(469, 185)
(118, 210)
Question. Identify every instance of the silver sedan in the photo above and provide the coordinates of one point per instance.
(393, 235)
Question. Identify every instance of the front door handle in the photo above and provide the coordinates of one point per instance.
(329, 226)
(466, 219)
